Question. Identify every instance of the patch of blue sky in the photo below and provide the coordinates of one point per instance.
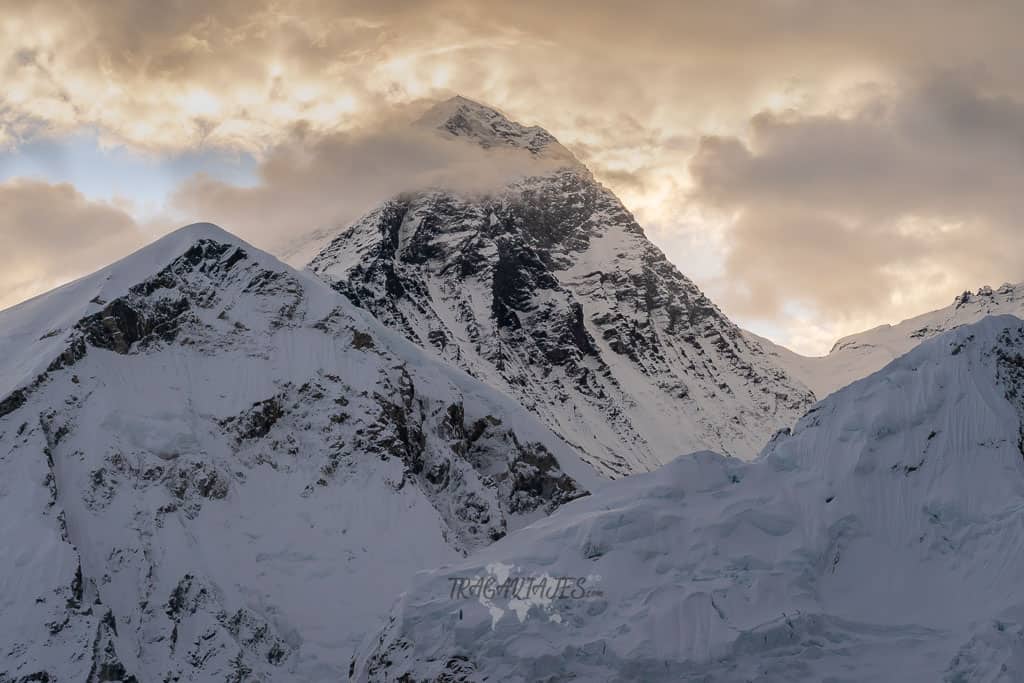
(117, 172)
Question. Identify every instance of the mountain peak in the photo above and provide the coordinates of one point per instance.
(549, 288)
(452, 104)
(183, 387)
(197, 231)
(464, 118)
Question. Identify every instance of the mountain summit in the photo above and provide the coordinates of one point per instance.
(214, 467)
(463, 118)
(549, 290)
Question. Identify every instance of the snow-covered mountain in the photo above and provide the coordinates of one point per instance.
(881, 539)
(548, 289)
(214, 467)
(858, 355)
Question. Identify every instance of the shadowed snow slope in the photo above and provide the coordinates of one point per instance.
(549, 290)
(883, 539)
(214, 467)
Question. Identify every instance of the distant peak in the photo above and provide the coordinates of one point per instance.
(459, 102)
(986, 293)
(464, 118)
(459, 107)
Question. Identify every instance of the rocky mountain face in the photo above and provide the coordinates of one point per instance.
(880, 539)
(214, 467)
(861, 354)
(548, 290)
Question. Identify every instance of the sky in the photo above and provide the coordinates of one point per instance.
(818, 168)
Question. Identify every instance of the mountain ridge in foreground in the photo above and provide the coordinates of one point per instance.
(213, 467)
(549, 290)
(880, 539)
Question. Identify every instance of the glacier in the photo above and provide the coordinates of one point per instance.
(879, 539)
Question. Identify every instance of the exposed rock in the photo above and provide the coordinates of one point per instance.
(549, 290)
(213, 479)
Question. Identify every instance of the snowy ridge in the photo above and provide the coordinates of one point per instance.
(882, 539)
(859, 355)
(549, 290)
(468, 120)
(213, 467)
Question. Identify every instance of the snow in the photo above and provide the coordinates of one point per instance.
(602, 338)
(214, 535)
(33, 330)
(463, 118)
(861, 354)
(881, 540)
(215, 467)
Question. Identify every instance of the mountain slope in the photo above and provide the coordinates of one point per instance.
(882, 539)
(858, 355)
(549, 290)
(213, 467)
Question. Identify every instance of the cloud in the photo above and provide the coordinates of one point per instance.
(886, 211)
(317, 182)
(239, 73)
(50, 234)
(731, 128)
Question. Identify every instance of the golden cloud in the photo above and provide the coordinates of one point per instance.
(820, 111)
